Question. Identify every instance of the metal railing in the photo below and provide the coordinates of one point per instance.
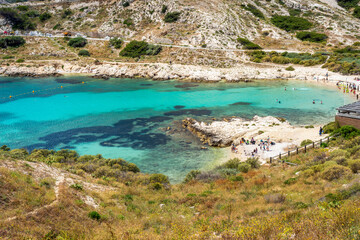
(303, 149)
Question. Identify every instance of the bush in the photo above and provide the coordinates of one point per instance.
(77, 42)
(172, 17)
(354, 165)
(232, 163)
(94, 215)
(248, 44)
(290, 68)
(251, 8)
(12, 41)
(128, 22)
(306, 142)
(254, 162)
(347, 4)
(126, 4)
(333, 172)
(311, 36)
(137, 49)
(20, 60)
(164, 9)
(158, 178)
(348, 132)
(290, 181)
(84, 52)
(45, 16)
(66, 13)
(191, 175)
(116, 42)
(22, 8)
(356, 12)
(32, 14)
(330, 127)
(244, 167)
(16, 20)
(290, 23)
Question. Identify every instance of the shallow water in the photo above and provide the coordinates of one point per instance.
(128, 118)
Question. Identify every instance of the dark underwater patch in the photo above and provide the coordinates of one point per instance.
(195, 112)
(179, 107)
(136, 133)
(6, 115)
(68, 80)
(186, 86)
(240, 104)
(146, 84)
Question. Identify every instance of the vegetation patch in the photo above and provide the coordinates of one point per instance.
(247, 44)
(17, 21)
(172, 17)
(290, 23)
(116, 42)
(84, 53)
(311, 37)
(12, 41)
(77, 42)
(251, 8)
(136, 49)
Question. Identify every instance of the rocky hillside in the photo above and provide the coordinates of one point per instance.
(210, 23)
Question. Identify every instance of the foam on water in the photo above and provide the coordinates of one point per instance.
(127, 118)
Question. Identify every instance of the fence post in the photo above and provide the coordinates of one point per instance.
(328, 139)
(297, 150)
(313, 144)
(280, 156)
(288, 153)
(270, 159)
(305, 148)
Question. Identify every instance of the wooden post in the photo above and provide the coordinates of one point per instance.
(328, 139)
(288, 153)
(280, 156)
(270, 159)
(313, 144)
(297, 150)
(305, 148)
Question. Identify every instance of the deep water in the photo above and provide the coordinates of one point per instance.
(127, 118)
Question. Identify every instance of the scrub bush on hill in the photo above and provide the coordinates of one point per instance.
(348, 132)
(290, 23)
(17, 21)
(347, 4)
(251, 8)
(12, 41)
(172, 17)
(136, 49)
(77, 42)
(45, 16)
(247, 44)
(84, 53)
(311, 37)
(116, 42)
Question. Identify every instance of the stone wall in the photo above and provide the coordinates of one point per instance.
(348, 121)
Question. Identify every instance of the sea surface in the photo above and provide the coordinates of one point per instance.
(140, 120)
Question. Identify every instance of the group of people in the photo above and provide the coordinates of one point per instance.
(263, 145)
(349, 88)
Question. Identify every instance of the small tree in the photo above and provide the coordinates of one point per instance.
(84, 53)
(116, 42)
(172, 17)
(77, 42)
(45, 16)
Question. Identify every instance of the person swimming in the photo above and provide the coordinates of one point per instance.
(313, 101)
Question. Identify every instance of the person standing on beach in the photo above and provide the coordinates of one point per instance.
(320, 131)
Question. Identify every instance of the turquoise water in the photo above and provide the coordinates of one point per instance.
(128, 118)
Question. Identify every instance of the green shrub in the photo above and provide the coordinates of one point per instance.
(77, 42)
(22, 8)
(57, 26)
(251, 8)
(347, 4)
(333, 172)
(32, 14)
(164, 9)
(16, 20)
(172, 17)
(238, 178)
(294, 12)
(66, 13)
(244, 167)
(128, 22)
(45, 16)
(290, 23)
(137, 49)
(290, 68)
(232, 163)
(94, 215)
(8, 57)
(248, 44)
(254, 162)
(20, 60)
(191, 175)
(126, 4)
(311, 36)
(77, 186)
(348, 132)
(330, 127)
(306, 142)
(84, 52)
(290, 181)
(158, 178)
(116, 42)
(12, 41)
(354, 165)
